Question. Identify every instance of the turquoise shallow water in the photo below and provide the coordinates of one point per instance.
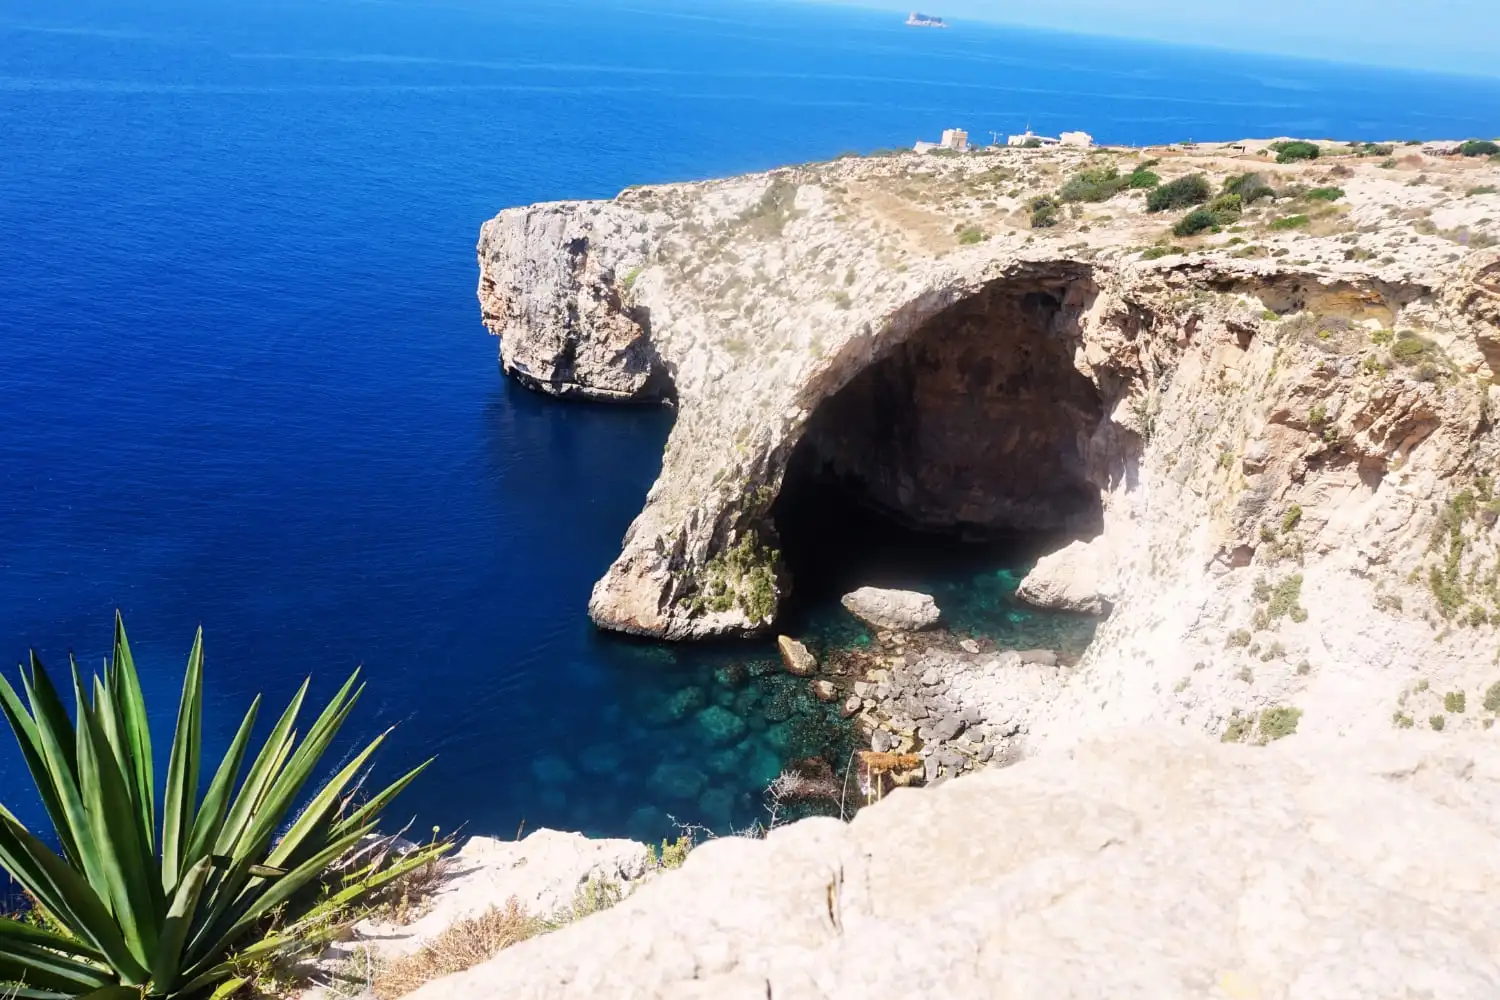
(243, 381)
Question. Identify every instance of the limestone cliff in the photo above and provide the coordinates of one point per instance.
(1277, 434)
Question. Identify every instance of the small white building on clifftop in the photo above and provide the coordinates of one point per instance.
(955, 139)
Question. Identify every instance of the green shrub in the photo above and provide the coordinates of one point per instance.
(1292, 517)
(1437, 722)
(1290, 222)
(1474, 192)
(1043, 213)
(1479, 147)
(1278, 723)
(770, 214)
(1142, 179)
(1377, 149)
(1238, 728)
(1238, 639)
(1195, 222)
(1409, 347)
(1285, 599)
(1093, 184)
(1325, 194)
(1291, 152)
(1181, 193)
(1251, 187)
(1453, 702)
(970, 236)
(1401, 720)
(131, 908)
(1492, 698)
(1156, 253)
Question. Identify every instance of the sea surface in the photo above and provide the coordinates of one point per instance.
(243, 382)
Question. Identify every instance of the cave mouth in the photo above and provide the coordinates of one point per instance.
(962, 452)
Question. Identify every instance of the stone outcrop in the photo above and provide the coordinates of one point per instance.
(1282, 432)
(1144, 863)
(1071, 579)
(899, 610)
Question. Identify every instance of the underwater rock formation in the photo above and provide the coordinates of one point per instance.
(1283, 435)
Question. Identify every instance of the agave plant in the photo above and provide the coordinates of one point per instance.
(127, 908)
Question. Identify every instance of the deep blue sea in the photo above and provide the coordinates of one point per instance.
(243, 381)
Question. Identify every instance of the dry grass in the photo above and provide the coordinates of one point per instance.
(462, 946)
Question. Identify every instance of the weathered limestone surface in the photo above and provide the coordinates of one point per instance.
(1143, 864)
(1283, 434)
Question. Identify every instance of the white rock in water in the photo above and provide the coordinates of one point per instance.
(904, 610)
(796, 657)
(1067, 580)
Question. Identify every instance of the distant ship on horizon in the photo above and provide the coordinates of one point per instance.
(919, 20)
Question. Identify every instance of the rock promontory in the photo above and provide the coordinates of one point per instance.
(1261, 391)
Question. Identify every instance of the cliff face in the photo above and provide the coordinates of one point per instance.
(1279, 436)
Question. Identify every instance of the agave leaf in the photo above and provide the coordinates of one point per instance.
(317, 815)
(182, 770)
(281, 796)
(373, 808)
(14, 992)
(59, 749)
(215, 803)
(174, 932)
(47, 708)
(216, 939)
(122, 857)
(30, 741)
(262, 771)
(125, 686)
(229, 988)
(65, 894)
(113, 993)
(327, 724)
(39, 966)
(107, 715)
(16, 930)
(378, 880)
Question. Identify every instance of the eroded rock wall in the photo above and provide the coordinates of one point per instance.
(978, 421)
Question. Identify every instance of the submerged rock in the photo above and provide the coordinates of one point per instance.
(896, 610)
(798, 660)
(721, 725)
(676, 781)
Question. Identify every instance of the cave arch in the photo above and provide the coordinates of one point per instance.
(977, 425)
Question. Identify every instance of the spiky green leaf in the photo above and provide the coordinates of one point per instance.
(182, 771)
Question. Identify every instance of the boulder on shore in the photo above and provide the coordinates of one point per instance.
(798, 659)
(897, 610)
(1070, 579)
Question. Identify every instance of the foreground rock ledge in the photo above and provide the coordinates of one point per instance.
(1145, 864)
(1302, 401)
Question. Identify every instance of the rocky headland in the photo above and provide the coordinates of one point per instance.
(1272, 440)
(1257, 416)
